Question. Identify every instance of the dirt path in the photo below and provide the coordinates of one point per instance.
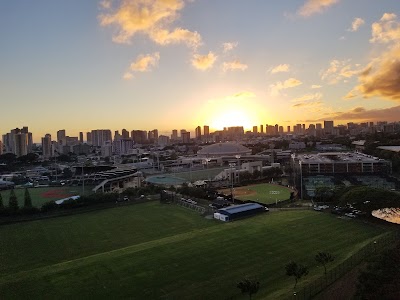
(343, 288)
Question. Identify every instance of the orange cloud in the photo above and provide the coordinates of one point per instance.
(234, 65)
(149, 17)
(382, 76)
(229, 46)
(204, 62)
(289, 83)
(386, 30)
(143, 63)
(280, 68)
(312, 7)
(339, 71)
(356, 24)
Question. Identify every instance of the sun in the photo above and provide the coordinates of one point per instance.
(231, 118)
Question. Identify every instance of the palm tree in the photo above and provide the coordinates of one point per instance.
(324, 258)
(296, 270)
(248, 286)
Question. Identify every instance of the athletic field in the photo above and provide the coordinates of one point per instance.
(264, 193)
(155, 251)
(42, 195)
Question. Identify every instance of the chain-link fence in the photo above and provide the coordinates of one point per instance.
(313, 288)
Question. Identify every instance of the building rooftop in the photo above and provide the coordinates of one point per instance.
(221, 149)
(333, 157)
(239, 208)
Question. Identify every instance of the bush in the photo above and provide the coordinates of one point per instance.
(49, 206)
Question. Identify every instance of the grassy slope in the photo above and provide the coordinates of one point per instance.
(263, 194)
(152, 251)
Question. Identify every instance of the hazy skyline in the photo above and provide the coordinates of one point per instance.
(173, 64)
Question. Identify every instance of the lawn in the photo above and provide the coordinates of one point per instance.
(263, 193)
(42, 195)
(153, 251)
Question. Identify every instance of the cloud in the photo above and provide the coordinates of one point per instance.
(316, 86)
(308, 97)
(152, 18)
(143, 63)
(339, 71)
(244, 95)
(127, 76)
(280, 68)
(356, 24)
(307, 105)
(362, 114)
(382, 76)
(234, 65)
(312, 7)
(386, 30)
(105, 4)
(229, 46)
(289, 83)
(204, 62)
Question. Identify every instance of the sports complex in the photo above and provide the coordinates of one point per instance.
(265, 193)
(153, 251)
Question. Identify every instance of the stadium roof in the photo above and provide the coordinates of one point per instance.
(224, 149)
(240, 208)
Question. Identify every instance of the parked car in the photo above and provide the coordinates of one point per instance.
(350, 215)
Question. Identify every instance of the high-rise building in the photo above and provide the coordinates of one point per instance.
(21, 144)
(1, 148)
(139, 136)
(328, 127)
(18, 141)
(46, 146)
(89, 138)
(163, 140)
(185, 137)
(288, 129)
(280, 129)
(198, 133)
(100, 136)
(125, 134)
(261, 128)
(81, 137)
(61, 137)
(276, 131)
(206, 132)
(255, 130)
(174, 135)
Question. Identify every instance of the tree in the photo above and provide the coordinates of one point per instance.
(296, 270)
(13, 202)
(324, 258)
(248, 286)
(27, 199)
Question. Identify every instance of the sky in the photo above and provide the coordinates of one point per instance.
(176, 64)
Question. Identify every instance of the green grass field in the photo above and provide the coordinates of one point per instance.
(153, 251)
(261, 193)
(42, 195)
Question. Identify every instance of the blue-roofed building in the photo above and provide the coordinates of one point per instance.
(239, 211)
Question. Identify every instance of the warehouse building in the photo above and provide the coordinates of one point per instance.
(239, 211)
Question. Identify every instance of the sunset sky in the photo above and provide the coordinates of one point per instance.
(174, 64)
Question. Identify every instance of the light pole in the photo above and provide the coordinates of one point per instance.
(231, 165)
(83, 182)
(239, 167)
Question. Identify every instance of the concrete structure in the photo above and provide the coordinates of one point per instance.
(224, 149)
(337, 163)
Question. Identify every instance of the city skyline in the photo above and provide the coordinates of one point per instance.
(177, 64)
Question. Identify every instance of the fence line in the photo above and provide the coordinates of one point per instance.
(315, 287)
